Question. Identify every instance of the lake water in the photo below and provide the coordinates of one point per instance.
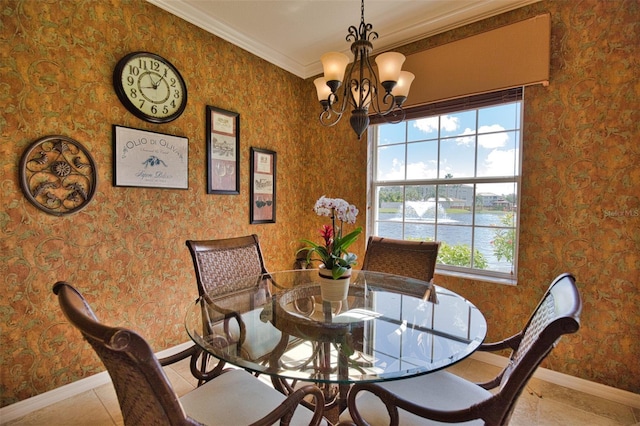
(453, 228)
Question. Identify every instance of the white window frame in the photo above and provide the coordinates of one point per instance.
(463, 272)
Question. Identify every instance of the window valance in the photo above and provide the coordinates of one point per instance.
(515, 55)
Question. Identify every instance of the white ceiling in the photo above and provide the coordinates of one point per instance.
(293, 34)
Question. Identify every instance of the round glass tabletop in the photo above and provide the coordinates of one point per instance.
(388, 327)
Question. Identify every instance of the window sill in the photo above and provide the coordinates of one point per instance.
(477, 277)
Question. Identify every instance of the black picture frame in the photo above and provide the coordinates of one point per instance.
(149, 159)
(262, 198)
(223, 151)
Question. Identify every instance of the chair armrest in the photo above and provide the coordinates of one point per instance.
(191, 351)
(512, 343)
(393, 402)
(194, 352)
(272, 281)
(284, 411)
(493, 383)
(207, 303)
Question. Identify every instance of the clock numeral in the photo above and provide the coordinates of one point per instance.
(130, 80)
(149, 65)
(173, 82)
(165, 110)
(133, 70)
(141, 103)
(133, 93)
(154, 109)
(176, 94)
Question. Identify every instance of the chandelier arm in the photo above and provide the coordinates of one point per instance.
(395, 116)
(359, 83)
(352, 34)
(374, 98)
(329, 118)
(347, 98)
(389, 103)
(388, 100)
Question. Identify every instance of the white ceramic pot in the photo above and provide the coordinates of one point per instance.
(333, 290)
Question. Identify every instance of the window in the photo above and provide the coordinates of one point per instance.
(453, 176)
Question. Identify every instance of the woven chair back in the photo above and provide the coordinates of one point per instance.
(221, 265)
(413, 259)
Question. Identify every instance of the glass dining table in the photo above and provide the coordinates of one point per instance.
(389, 327)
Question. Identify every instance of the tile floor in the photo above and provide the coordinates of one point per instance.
(542, 403)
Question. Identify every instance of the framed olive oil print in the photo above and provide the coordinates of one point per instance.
(149, 159)
(263, 186)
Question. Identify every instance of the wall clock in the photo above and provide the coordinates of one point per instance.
(150, 87)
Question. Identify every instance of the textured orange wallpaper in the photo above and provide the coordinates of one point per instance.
(126, 250)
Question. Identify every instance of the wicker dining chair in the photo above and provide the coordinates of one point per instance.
(445, 397)
(414, 259)
(146, 396)
(224, 266)
(222, 262)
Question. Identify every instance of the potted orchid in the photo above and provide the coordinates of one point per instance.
(332, 253)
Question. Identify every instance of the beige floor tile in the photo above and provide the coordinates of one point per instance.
(80, 410)
(553, 413)
(109, 399)
(619, 413)
(525, 412)
(458, 369)
(180, 385)
(474, 370)
(183, 368)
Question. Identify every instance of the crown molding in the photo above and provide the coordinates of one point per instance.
(449, 18)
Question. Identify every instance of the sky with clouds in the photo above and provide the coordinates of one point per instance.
(475, 143)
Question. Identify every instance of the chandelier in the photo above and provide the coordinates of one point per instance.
(361, 89)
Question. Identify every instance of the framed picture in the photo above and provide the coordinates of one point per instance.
(263, 186)
(148, 159)
(223, 148)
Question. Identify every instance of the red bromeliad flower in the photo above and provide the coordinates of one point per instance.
(326, 232)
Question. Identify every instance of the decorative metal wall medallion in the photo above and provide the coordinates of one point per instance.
(58, 175)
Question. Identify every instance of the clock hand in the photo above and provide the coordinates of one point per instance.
(154, 83)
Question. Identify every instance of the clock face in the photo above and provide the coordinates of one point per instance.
(150, 87)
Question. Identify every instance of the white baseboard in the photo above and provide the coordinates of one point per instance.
(591, 388)
(24, 407)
